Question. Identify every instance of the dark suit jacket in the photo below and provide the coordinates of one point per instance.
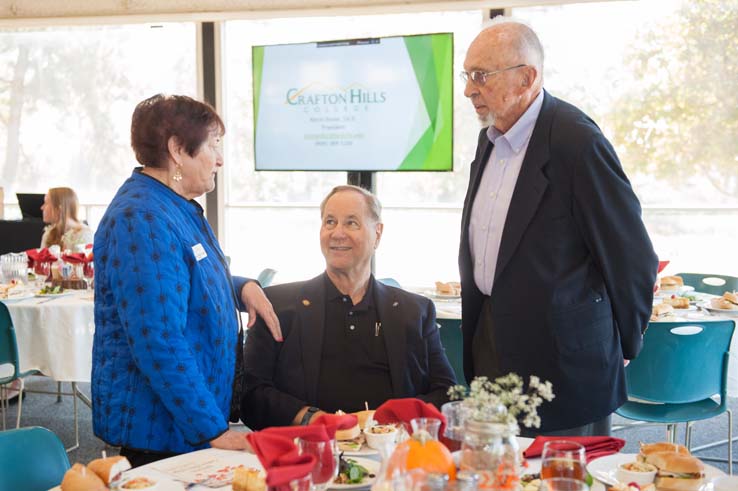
(574, 281)
(281, 378)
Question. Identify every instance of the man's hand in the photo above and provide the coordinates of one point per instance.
(258, 304)
(231, 440)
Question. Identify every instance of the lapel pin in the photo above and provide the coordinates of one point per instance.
(306, 302)
(396, 304)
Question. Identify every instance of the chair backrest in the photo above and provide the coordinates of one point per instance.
(8, 344)
(31, 459)
(681, 362)
(265, 277)
(390, 282)
(713, 284)
(453, 343)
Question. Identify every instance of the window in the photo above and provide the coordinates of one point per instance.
(70, 94)
(656, 77)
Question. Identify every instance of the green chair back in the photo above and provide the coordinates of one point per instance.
(713, 284)
(31, 459)
(452, 340)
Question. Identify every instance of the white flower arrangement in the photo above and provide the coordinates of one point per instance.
(504, 401)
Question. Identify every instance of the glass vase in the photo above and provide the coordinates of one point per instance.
(490, 450)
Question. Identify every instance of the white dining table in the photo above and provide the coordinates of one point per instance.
(54, 335)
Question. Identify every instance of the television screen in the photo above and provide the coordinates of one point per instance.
(380, 104)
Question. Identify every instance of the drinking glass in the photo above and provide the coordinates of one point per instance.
(326, 461)
(88, 272)
(563, 484)
(454, 413)
(563, 459)
(300, 484)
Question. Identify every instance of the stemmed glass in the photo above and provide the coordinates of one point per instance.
(326, 461)
(563, 459)
(88, 273)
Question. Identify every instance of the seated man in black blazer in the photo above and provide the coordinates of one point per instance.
(348, 339)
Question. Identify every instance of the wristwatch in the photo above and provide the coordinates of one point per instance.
(308, 414)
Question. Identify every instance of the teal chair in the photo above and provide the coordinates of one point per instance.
(9, 356)
(390, 282)
(713, 284)
(265, 277)
(681, 367)
(452, 341)
(31, 459)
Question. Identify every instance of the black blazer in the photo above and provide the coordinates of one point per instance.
(574, 281)
(281, 378)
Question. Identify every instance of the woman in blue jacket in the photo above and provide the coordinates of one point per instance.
(166, 307)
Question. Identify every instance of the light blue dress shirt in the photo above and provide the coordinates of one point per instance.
(496, 188)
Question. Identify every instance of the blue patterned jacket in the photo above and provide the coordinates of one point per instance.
(166, 323)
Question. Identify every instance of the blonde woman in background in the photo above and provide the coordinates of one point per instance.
(63, 227)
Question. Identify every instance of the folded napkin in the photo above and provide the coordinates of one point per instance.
(75, 258)
(40, 255)
(594, 446)
(280, 457)
(403, 410)
(662, 265)
(313, 433)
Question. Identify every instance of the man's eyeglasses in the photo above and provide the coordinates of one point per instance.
(480, 78)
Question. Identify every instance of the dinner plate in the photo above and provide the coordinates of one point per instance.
(371, 465)
(441, 296)
(713, 310)
(607, 466)
(364, 451)
(17, 298)
(46, 295)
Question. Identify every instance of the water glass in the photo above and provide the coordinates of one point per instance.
(326, 461)
(301, 484)
(564, 459)
(563, 484)
(454, 413)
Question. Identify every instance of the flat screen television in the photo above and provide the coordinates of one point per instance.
(379, 104)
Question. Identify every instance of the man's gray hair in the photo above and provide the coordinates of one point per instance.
(372, 202)
(526, 44)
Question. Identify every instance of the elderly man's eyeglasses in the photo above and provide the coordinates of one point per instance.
(480, 78)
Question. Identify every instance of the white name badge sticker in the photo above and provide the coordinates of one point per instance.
(199, 252)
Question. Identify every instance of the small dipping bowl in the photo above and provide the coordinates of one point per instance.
(379, 435)
(638, 472)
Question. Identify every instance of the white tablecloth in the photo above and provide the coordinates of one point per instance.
(55, 335)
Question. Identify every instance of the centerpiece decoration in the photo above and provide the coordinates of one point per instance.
(492, 411)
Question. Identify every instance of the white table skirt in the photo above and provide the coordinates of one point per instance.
(55, 335)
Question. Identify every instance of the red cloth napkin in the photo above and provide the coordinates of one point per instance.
(280, 457)
(403, 410)
(41, 256)
(662, 265)
(313, 433)
(594, 446)
(75, 258)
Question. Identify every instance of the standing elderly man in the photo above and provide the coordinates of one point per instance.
(557, 268)
(348, 339)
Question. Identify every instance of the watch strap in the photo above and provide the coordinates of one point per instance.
(308, 415)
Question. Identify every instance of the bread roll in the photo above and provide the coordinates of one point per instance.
(647, 449)
(678, 302)
(661, 311)
(731, 297)
(671, 282)
(79, 478)
(248, 479)
(109, 469)
(363, 417)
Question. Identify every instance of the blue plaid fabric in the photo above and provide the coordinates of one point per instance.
(165, 323)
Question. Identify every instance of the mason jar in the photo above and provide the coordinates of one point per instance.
(490, 450)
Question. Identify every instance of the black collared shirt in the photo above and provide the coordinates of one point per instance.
(354, 367)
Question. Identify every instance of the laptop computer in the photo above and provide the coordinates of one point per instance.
(30, 205)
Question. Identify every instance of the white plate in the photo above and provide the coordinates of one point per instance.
(441, 296)
(17, 298)
(364, 451)
(608, 465)
(678, 289)
(371, 465)
(726, 312)
(47, 295)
